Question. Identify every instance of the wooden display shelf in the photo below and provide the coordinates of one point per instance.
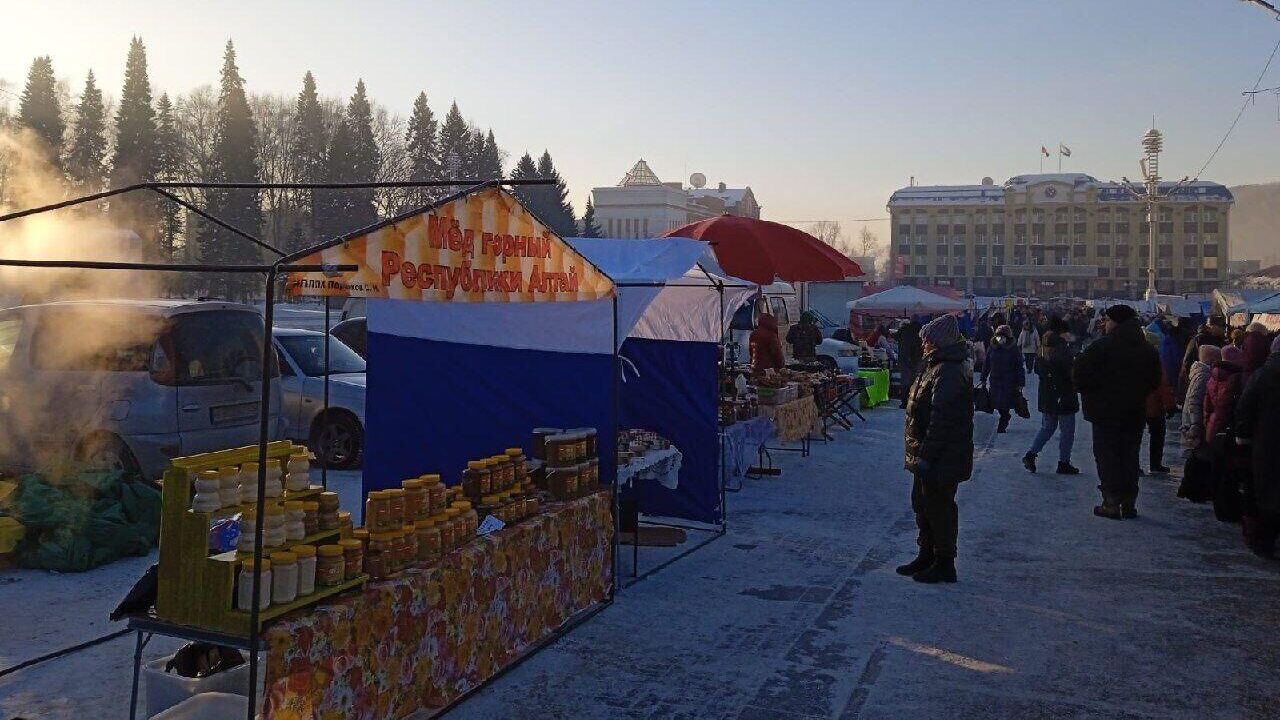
(240, 618)
(311, 539)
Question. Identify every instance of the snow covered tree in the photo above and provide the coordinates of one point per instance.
(87, 150)
(169, 160)
(455, 144)
(590, 228)
(40, 110)
(489, 161)
(312, 148)
(235, 159)
(558, 211)
(135, 157)
(421, 139)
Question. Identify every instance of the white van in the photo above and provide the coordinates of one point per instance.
(777, 299)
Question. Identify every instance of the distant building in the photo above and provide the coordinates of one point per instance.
(642, 206)
(1245, 267)
(1054, 234)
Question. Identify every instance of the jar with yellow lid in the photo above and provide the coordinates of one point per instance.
(244, 589)
(284, 577)
(428, 540)
(306, 568)
(447, 537)
(410, 533)
(377, 511)
(377, 561)
(330, 564)
(273, 526)
(352, 557)
(395, 498)
(229, 485)
(517, 459)
(454, 516)
(470, 519)
(208, 491)
(329, 504)
(345, 524)
(476, 478)
(435, 494)
(294, 521)
(416, 502)
(310, 517)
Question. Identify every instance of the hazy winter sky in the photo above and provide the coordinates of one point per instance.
(823, 108)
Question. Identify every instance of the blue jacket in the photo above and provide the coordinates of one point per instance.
(1004, 373)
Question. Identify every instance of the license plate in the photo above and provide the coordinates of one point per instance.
(234, 414)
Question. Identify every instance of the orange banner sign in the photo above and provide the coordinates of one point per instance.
(481, 247)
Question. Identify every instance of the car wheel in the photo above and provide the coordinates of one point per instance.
(108, 452)
(338, 440)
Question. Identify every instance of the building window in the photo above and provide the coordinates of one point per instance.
(1060, 228)
(1190, 273)
(1164, 272)
(959, 251)
(904, 229)
(921, 270)
(1211, 251)
(1103, 251)
(1079, 251)
(1122, 228)
(941, 270)
(1210, 227)
(1166, 251)
(1190, 251)
(942, 251)
(922, 249)
(958, 230)
(1121, 272)
(1080, 228)
(1188, 228)
(904, 249)
(922, 230)
(958, 270)
(1104, 272)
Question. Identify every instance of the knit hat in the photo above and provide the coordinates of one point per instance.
(941, 332)
(1120, 313)
(1234, 355)
(1209, 354)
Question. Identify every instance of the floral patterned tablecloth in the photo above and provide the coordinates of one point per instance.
(428, 636)
(793, 420)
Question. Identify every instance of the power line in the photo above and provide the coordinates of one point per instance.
(1267, 6)
(1243, 106)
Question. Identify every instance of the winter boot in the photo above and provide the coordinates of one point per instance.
(1129, 512)
(1029, 462)
(1109, 511)
(923, 560)
(1066, 468)
(1003, 425)
(942, 570)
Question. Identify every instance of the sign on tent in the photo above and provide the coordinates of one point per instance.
(483, 246)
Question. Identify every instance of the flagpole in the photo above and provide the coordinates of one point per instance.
(1041, 161)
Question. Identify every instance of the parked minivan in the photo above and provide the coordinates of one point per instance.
(130, 384)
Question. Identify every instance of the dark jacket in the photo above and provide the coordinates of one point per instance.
(1115, 374)
(1256, 347)
(766, 348)
(910, 349)
(1192, 354)
(1053, 365)
(939, 424)
(804, 338)
(1004, 372)
(1226, 381)
(1258, 420)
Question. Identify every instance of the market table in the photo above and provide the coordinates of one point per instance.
(742, 443)
(877, 385)
(661, 466)
(423, 639)
(794, 420)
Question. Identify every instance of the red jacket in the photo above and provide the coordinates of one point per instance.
(766, 346)
(1220, 399)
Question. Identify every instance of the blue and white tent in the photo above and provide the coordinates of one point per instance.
(451, 382)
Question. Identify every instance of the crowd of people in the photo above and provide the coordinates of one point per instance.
(1129, 375)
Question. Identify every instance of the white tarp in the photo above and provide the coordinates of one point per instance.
(906, 299)
(650, 310)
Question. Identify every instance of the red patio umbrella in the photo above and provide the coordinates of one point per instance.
(762, 251)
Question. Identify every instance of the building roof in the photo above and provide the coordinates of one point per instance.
(639, 174)
(730, 196)
(1198, 191)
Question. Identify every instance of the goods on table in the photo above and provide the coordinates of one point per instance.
(330, 565)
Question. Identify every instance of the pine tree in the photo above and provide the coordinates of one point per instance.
(333, 207)
(312, 161)
(88, 148)
(590, 228)
(40, 110)
(489, 163)
(557, 208)
(235, 159)
(455, 144)
(168, 169)
(363, 160)
(475, 151)
(423, 150)
(135, 158)
(525, 169)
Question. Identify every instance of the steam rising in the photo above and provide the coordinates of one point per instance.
(85, 232)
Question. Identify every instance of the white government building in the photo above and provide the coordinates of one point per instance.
(642, 206)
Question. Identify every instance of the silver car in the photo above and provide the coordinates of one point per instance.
(336, 436)
(129, 384)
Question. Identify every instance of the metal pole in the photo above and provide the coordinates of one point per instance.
(264, 431)
(617, 513)
(1152, 216)
(724, 511)
(324, 466)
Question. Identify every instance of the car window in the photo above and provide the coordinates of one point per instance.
(217, 347)
(307, 352)
(282, 362)
(94, 339)
(10, 329)
(743, 318)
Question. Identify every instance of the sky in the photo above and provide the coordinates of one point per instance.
(822, 108)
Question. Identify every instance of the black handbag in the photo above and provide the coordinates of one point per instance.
(982, 400)
(1020, 406)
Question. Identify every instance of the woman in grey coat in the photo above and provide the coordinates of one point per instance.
(1195, 447)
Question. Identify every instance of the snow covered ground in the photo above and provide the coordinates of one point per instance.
(797, 613)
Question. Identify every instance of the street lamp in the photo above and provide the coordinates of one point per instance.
(1152, 144)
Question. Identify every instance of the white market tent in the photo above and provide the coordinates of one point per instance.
(905, 300)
